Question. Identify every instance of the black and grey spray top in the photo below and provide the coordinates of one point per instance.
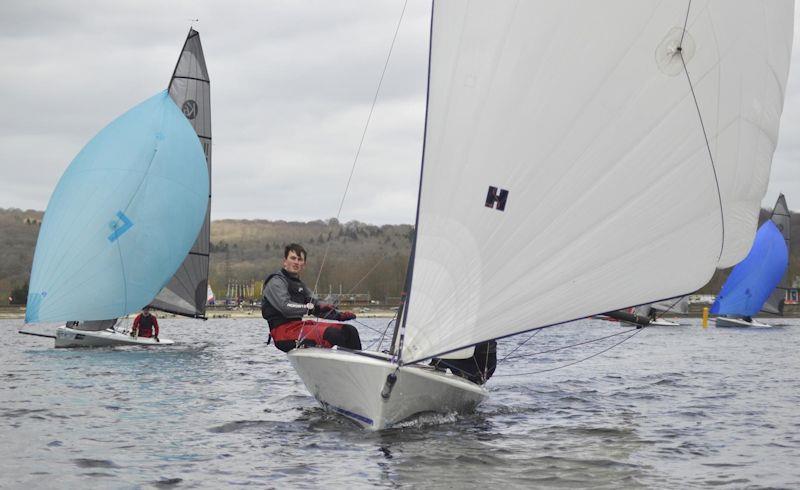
(285, 298)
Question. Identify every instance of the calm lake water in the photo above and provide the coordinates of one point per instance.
(672, 407)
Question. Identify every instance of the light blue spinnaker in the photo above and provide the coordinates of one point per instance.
(122, 218)
(753, 279)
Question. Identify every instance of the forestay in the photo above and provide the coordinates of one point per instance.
(121, 219)
(783, 221)
(190, 89)
(584, 156)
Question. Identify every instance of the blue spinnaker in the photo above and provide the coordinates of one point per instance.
(122, 218)
(753, 279)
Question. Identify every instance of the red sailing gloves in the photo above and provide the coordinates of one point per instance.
(327, 311)
(343, 316)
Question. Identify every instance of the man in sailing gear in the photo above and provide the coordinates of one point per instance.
(478, 368)
(145, 325)
(286, 299)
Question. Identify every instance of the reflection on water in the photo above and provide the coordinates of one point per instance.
(671, 407)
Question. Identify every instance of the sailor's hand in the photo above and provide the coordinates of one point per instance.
(309, 306)
(344, 316)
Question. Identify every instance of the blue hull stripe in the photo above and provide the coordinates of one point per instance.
(348, 413)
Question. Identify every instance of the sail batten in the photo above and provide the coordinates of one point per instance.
(539, 138)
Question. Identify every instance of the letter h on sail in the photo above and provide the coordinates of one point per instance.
(496, 198)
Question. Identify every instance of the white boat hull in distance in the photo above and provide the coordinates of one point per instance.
(662, 322)
(68, 337)
(724, 321)
(351, 384)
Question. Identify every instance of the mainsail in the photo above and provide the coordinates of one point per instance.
(555, 128)
(753, 280)
(122, 217)
(783, 220)
(191, 90)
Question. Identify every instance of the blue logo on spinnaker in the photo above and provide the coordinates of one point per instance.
(119, 230)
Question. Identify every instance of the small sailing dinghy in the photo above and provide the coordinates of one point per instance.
(654, 311)
(102, 333)
(552, 130)
(759, 282)
(128, 223)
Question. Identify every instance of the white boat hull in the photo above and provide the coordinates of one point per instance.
(351, 384)
(723, 321)
(661, 322)
(68, 337)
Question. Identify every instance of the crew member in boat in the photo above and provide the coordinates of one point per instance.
(286, 300)
(145, 325)
(478, 368)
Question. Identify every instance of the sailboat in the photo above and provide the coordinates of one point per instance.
(650, 313)
(753, 284)
(128, 223)
(553, 129)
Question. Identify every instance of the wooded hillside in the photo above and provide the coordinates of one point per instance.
(361, 258)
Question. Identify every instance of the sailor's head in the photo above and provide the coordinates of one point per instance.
(146, 310)
(294, 258)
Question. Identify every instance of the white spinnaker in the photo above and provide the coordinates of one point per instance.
(583, 112)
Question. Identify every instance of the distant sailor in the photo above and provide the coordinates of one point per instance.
(286, 299)
(145, 325)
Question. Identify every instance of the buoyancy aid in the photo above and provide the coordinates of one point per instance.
(298, 293)
(146, 324)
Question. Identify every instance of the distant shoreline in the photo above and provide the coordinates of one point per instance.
(17, 312)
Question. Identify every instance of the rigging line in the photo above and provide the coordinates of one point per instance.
(705, 134)
(367, 274)
(363, 135)
(365, 326)
(573, 345)
(578, 361)
(389, 324)
(535, 332)
(379, 341)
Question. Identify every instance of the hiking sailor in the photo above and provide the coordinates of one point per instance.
(286, 299)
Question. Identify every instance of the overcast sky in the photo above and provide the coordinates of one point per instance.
(292, 83)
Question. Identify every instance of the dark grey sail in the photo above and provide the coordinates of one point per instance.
(783, 220)
(190, 88)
